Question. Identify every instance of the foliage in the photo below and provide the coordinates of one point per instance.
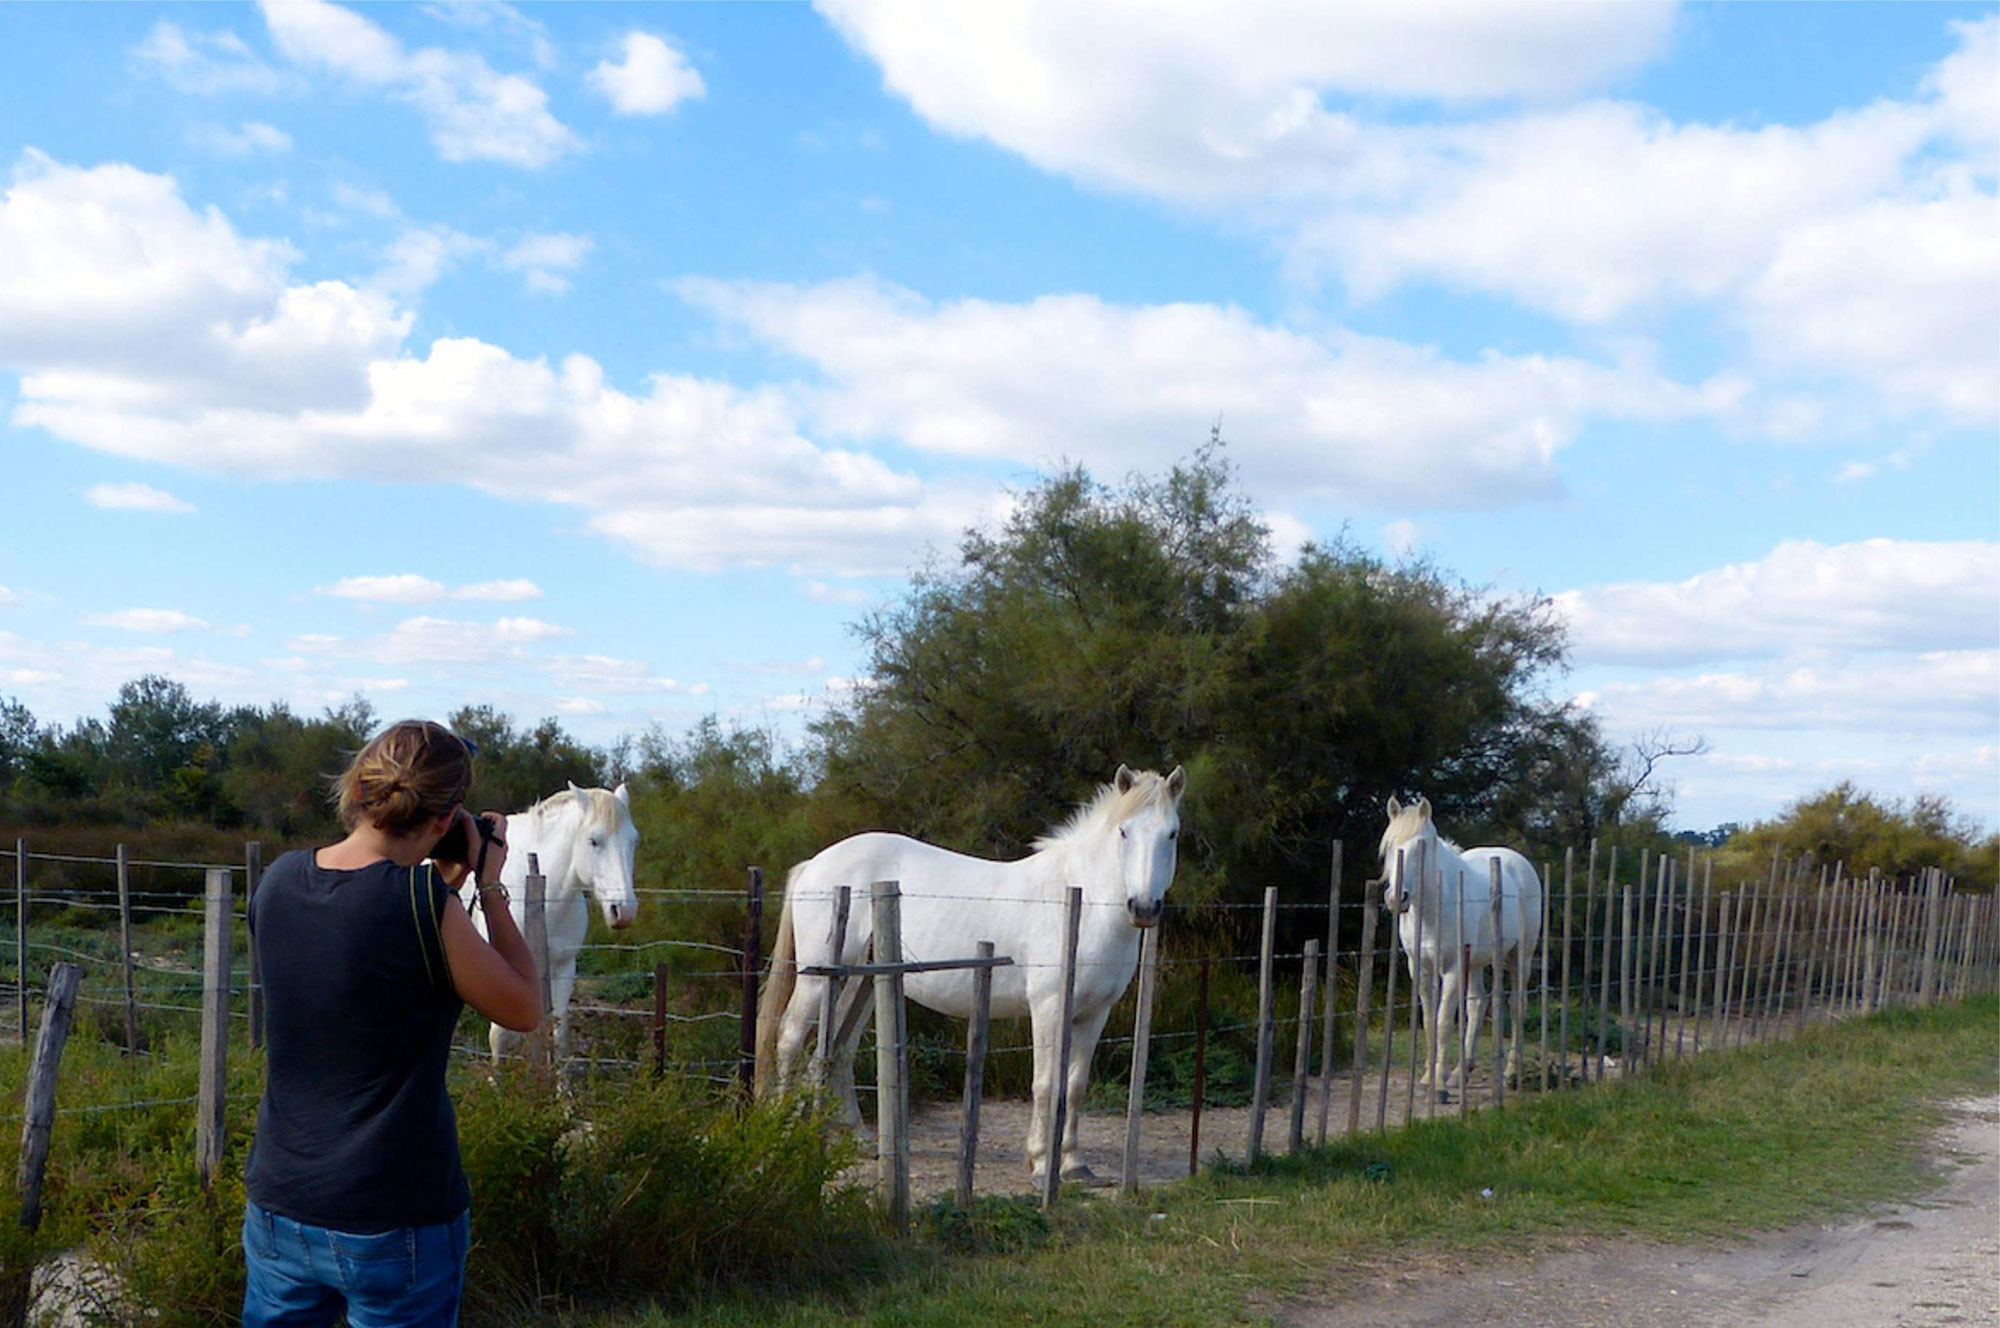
(1152, 625)
(1845, 826)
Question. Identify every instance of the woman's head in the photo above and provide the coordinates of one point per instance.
(407, 776)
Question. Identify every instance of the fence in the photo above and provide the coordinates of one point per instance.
(1638, 965)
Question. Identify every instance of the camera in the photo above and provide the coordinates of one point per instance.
(456, 846)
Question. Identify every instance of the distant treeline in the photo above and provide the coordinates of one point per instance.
(1150, 624)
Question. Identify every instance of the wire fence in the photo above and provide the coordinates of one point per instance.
(1627, 965)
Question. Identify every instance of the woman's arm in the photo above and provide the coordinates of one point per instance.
(496, 978)
(495, 974)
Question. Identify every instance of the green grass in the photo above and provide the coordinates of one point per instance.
(1757, 1139)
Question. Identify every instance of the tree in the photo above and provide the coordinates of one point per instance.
(1151, 625)
(19, 735)
(516, 767)
(157, 728)
(1845, 826)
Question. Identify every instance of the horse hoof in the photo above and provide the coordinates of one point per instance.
(1082, 1175)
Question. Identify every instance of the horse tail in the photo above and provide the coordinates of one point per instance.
(777, 993)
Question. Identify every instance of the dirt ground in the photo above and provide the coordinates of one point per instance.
(1935, 1262)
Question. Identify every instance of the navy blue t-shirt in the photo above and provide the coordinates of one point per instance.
(355, 1131)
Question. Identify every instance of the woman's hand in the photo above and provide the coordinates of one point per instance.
(494, 846)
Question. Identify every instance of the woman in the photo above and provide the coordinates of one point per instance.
(357, 1200)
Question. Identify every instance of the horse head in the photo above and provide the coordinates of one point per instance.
(1406, 825)
(1148, 836)
(606, 841)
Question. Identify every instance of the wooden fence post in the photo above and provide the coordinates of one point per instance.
(892, 1097)
(1361, 998)
(1498, 904)
(1721, 1011)
(1416, 906)
(1142, 1036)
(753, 960)
(1260, 1093)
(210, 1119)
(829, 997)
(21, 935)
(39, 1113)
(1200, 1068)
(660, 1019)
(253, 872)
(1569, 895)
(1388, 1026)
(535, 912)
(125, 951)
(1625, 958)
(975, 1063)
(1332, 1000)
(1302, 1059)
(1933, 892)
(1059, 1101)
(1604, 963)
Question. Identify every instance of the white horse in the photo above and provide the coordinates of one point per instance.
(583, 841)
(1442, 958)
(1120, 847)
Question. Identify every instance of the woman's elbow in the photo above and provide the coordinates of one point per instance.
(521, 1016)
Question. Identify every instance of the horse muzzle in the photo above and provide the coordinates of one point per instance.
(1144, 915)
(619, 917)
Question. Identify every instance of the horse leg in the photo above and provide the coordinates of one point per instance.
(1083, 1045)
(852, 1018)
(1510, 1000)
(1475, 1015)
(1044, 1040)
(1424, 975)
(795, 1025)
(1451, 996)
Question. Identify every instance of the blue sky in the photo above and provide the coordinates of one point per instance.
(609, 361)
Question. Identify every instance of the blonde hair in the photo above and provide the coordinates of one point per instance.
(409, 774)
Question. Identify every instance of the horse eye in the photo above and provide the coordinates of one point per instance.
(1122, 833)
(1173, 834)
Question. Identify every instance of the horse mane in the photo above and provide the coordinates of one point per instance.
(1108, 807)
(1405, 826)
(600, 807)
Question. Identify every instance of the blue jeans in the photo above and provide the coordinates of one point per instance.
(302, 1276)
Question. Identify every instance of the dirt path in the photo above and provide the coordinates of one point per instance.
(1936, 1262)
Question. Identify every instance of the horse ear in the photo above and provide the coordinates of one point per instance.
(1423, 809)
(1176, 783)
(1395, 808)
(572, 786)
(1124, 779)
(622, 796)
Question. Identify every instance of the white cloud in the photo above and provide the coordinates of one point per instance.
(1881, 595)
(1861, 246)
(546, 260)
(473, 113)
(821, 593)
(8, 599)
(405, 588)
(516, 589)
(1169, 100)
(146, 620)
(247, 139)
(1940, 692)
(652, 78)
(610, 675)
(207, 64)
(134, 498)
(1364, 418)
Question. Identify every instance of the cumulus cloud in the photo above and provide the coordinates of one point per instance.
(1166, 100)
(247, 139)
(547, 260)
(1860, 246)
(1366, 418)
(207, 64)
(150, 621)
(1872, 595)
(1943, 691)
(168, 336)
(134, 497)
(652, 78)
(472, 112)
(409, 588)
